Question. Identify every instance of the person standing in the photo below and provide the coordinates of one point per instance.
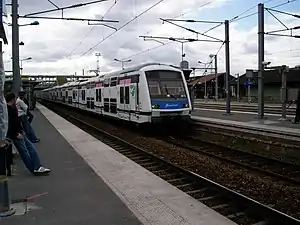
(29, 114)
(22, 112)
(297, 116)
(15, 133)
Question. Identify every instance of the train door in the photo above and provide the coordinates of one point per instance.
(83, 98)
(134, 97)
(98, 97)
(106, 95)
(90, 97)
(123, 99)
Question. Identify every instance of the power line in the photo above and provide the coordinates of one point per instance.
(237, 18)
(130, 21)
(90, 31)
(244, 12)
(182, 14)
(64, 8)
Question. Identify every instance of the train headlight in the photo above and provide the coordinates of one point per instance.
(156, 106)
(185, 105)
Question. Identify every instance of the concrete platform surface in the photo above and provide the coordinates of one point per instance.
(249, 119)
(73, 194)
(236, 103)
(151, 199)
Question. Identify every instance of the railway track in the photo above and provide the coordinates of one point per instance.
(275, 168)
(292, 137)
(237, 207)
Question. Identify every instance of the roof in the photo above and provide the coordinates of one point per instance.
(206, 78)
(274, 77)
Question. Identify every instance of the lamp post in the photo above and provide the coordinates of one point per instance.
(123, 61)
(98, 54)
(21, 62)
(15, 45)
(205, 85)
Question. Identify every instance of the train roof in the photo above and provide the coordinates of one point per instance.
(135, 68)
(113, 74)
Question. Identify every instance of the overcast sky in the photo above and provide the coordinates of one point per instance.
(66, 47)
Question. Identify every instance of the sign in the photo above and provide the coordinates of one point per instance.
(249, 73)
(249, 83)
(3, 21)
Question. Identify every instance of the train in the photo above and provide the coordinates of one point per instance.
(150, 93)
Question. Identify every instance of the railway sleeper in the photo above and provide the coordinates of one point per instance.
(207, 198)
(160, 170)
(219, 206)
(151, 163)
(260, 223)
(234, 215)
(151, 168)
(196, 191)
(131, 155)
(139, 158)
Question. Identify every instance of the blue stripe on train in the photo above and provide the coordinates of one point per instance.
(170, 104)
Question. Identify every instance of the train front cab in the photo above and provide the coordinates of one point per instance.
(169, 96)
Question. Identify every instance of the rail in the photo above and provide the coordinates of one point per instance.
(235, 206)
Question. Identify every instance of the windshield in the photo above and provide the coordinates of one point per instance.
(164, 83)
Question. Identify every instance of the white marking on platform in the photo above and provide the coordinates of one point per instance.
(151, 199)
(266, 122)
(241, 112)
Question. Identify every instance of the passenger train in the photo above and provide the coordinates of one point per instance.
(148, 93)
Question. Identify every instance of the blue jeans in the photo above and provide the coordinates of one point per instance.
(27, 128)
(28, 153)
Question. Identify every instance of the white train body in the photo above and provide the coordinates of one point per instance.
(144, 94)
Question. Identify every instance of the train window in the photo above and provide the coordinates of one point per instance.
(113, 81)
(106, 83)
(135, 79)
(127, 95)
(122, 95)
(74, 94)
(99, 92)
(113, 105)
(97, 95)
(83, 95)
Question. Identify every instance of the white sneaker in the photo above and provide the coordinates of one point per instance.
(42, 170)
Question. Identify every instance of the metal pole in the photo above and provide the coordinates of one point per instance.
(238, 87)
(249, 91)
(122, 65)
(205, 87)
(216, 82)
(21, 67)
(182, 51)
(193, 92)
(260, 61)
(283, 92)
(15, 48)
(227, 66)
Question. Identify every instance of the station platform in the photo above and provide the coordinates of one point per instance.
(236, 103)
(271, 123)
(92, 184)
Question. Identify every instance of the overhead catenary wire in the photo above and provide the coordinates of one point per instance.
(127, 23)
(185, 13)
(234, 19)
(90, 31)
(237, 18)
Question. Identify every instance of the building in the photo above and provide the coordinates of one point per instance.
(199, 85)
(272, 84)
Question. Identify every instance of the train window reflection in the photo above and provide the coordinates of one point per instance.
(165, 84)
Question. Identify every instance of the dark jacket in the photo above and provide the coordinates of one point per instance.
(14, 124)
